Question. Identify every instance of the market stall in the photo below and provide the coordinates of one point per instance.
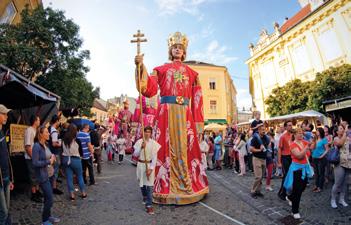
(339, 108)
(215, 127)
(25, 98)
(244, 126)
(311, 115)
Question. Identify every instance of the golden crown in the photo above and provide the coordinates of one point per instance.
(178, 38)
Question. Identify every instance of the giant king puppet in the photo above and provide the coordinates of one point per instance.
(180, 177)
(123, 124)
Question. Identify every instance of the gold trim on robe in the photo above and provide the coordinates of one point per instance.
(181, 191)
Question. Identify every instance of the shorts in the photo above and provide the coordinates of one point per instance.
(30, 168)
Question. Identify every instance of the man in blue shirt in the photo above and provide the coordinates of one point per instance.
(88, 150)
(6, 183)
(258, 146)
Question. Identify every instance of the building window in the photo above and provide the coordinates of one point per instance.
(268, 74)
(300, 59)
(330, 51)
(9, 14)
(284, 75)
(213, 106)
(212, 84)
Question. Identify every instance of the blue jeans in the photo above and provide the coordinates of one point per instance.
(5, 202)
(88, 163)
(146, 191)
(256, 135)
(48, 199)
(75, 167)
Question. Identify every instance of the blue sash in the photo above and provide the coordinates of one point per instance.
(289, 179)
(175, 100)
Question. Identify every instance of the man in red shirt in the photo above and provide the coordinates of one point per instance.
(284, 156)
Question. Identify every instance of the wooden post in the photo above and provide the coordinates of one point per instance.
(138, 40)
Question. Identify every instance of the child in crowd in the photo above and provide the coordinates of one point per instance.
(270, 161)
(121, 147)
(255, 125)
(109, 148)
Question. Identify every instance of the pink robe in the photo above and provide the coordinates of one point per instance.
(149, 113)
(125, 115)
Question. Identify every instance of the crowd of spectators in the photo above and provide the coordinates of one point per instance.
(298, 153)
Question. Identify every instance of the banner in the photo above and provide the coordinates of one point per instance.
(17, 138)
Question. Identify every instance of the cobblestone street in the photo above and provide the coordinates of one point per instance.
(116, 200)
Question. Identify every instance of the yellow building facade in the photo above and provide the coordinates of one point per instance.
(314, 39)
(219, 93)
(10, 10)
(99, 110)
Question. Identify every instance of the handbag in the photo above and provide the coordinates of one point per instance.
(51, 170)
(333, 156)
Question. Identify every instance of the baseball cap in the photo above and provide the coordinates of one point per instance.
(3, 109)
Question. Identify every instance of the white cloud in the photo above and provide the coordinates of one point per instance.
(142, 9)
(215, 53)
(171, 7)
(205, 33)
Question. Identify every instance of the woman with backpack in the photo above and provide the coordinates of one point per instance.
(72, 152)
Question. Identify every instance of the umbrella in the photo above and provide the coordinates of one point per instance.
(79, 122)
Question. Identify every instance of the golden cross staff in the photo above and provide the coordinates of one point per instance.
(138, 40)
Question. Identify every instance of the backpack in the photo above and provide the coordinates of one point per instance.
(94, 138)
(333, 156)
(54, 150)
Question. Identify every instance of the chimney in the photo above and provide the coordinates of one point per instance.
(251, 47)
(276, 26)
(314, 3)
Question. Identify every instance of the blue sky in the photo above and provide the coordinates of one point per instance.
(219, 32)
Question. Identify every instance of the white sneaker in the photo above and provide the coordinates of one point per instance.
(333, 204)
(343, 203)
(297, 216)
(269, 188)
(289, 201)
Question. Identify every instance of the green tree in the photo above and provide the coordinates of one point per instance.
(330, 84)
(46, 48)
(290, 98)
(296, 96)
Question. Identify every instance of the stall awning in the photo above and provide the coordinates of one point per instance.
(337, 104)
(309, 114)
(18, 92)
(215, 126)
(219, 121)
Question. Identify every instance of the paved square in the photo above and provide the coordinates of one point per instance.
(116, 199)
